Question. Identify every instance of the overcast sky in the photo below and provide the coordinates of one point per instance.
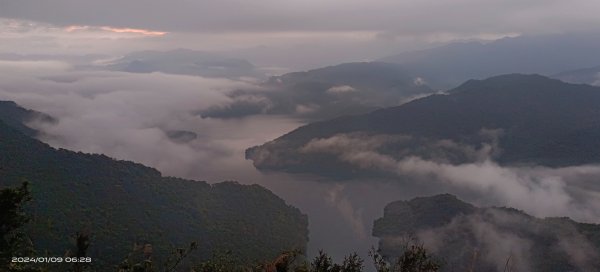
(274, 32)
(406, 17)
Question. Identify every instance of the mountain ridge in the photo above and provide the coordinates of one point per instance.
(121, 203)
(328, 92)
(448, 65)
(524, 119)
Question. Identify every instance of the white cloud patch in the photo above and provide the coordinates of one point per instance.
(128, 116)
(341, 89)
(539, 191)
(353, 215)
(419, 81)
(306, 109)
(494, 245)
(502, 238)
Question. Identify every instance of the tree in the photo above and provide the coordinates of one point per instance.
(323, 263)
(352, 263)
(82, 242)
(381, 265)
(415, 258)
(13, 240)
(220, 262)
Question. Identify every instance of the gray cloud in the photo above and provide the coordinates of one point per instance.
(495, 237)
(129, 116)
(494, 246)
(580, 251)
(404, 17)
(353, 215)
(280, 35)
(540, 191)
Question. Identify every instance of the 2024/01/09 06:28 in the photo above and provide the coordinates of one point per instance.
(51, 259)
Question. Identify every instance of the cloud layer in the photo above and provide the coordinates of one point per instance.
(540, 191)
(292, 34)
(410, 17)
(130, 116)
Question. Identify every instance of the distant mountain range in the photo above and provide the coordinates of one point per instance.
(590, 76)
(447, 66)
(123, 203)
(349, 88)
(468, 238)
(184, 62)
(513, 119)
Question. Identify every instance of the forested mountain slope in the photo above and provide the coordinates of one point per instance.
(121, 203)
(512, 119)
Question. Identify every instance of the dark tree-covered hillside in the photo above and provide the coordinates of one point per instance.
(512, 119)
(122, 203)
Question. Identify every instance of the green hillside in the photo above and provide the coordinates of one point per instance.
(121, 203)
(521, 119)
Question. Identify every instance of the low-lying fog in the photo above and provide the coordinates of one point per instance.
(154, 119)
(129, 116)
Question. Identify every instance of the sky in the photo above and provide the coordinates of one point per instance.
(290, 34)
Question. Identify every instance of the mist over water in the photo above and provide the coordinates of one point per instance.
(136, 80)
(127, 116)
(131, 117)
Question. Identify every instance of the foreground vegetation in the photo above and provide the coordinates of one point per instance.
(16, 242)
